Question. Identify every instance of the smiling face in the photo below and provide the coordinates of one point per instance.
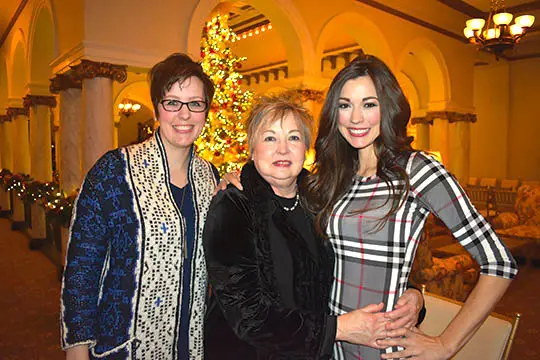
(278, 153)
(359, 113)
(180, 129)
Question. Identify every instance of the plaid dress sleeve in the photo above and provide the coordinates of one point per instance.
(438, 191)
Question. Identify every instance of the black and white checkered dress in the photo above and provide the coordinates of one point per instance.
(373, 263)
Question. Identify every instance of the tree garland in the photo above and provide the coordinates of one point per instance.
(223, 140)
(58, 206)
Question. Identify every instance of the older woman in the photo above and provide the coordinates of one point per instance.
(134, 286)
(270, 272)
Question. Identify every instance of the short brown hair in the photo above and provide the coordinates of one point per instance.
(269, 108)
(177, 68)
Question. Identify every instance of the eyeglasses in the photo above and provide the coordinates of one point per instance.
(174, 105)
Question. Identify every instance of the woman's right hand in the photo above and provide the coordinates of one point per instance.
(79, 352)
(407, 310)
(229, 178)
(363, 326)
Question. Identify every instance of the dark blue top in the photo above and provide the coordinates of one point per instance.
(188, 212)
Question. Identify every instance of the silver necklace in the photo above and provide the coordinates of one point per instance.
(294, 206)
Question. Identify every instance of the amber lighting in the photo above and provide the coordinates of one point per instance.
(437, 155)
(253, 32)
(127, 107)
(499, 34)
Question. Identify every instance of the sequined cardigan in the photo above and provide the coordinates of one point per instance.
(121, 291)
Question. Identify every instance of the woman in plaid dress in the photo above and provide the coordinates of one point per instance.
(373, 207)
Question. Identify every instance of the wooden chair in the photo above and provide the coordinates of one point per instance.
(531, 183)
(473, 181)
(504, 200)
(488, 182)
(480, 197)
(509, 184)
(492, 341)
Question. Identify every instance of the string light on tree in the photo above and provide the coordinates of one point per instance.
(223, 140)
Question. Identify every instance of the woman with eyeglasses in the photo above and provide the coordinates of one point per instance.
(134, 285)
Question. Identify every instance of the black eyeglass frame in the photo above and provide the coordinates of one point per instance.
(162, 102)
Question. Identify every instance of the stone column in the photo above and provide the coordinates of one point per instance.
(70, 139)
(422, 132)
(439, 135)
(41, 157)
(97, 100)
(6, 148)
(1, 138)
(451, 136)
(21, 159)
(86, 121)
(460, 139)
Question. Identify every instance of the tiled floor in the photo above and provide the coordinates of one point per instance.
(29, 305)
(30, 291)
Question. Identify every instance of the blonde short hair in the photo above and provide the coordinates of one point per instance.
(270, 108)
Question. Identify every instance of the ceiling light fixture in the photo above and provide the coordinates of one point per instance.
(126, 107)
(498, 35)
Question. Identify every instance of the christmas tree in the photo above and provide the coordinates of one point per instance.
(223, 140)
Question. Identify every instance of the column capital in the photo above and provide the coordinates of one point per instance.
(449, 105)
(457, 117)
(14, 102)
(37, 88)
(88, 69)
(32, 100)
(65, 81)
(421, 120)
(5, 118)
(450, 116)
(16, 111)
(309, 95)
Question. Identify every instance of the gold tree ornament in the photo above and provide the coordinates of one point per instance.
(223, 140)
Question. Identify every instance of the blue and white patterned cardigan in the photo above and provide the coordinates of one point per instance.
(121, 292)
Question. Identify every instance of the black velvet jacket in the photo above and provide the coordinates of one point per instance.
(241, 272)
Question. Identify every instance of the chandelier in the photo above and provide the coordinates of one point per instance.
(126, 107)
(498, 35)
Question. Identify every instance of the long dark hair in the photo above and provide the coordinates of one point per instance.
(336, 161)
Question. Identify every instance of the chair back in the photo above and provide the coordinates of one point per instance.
(478, 196)
(505, 200)
(531, 183)
(473, 181)
(509, 184)
(493, 340)
(488, 182)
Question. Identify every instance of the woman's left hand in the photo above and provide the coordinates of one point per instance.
(405, 313)
(229, 178)
(416, 344)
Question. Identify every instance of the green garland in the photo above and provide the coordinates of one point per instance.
(58, 206)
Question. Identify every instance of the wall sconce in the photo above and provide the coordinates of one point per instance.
(126, 108)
